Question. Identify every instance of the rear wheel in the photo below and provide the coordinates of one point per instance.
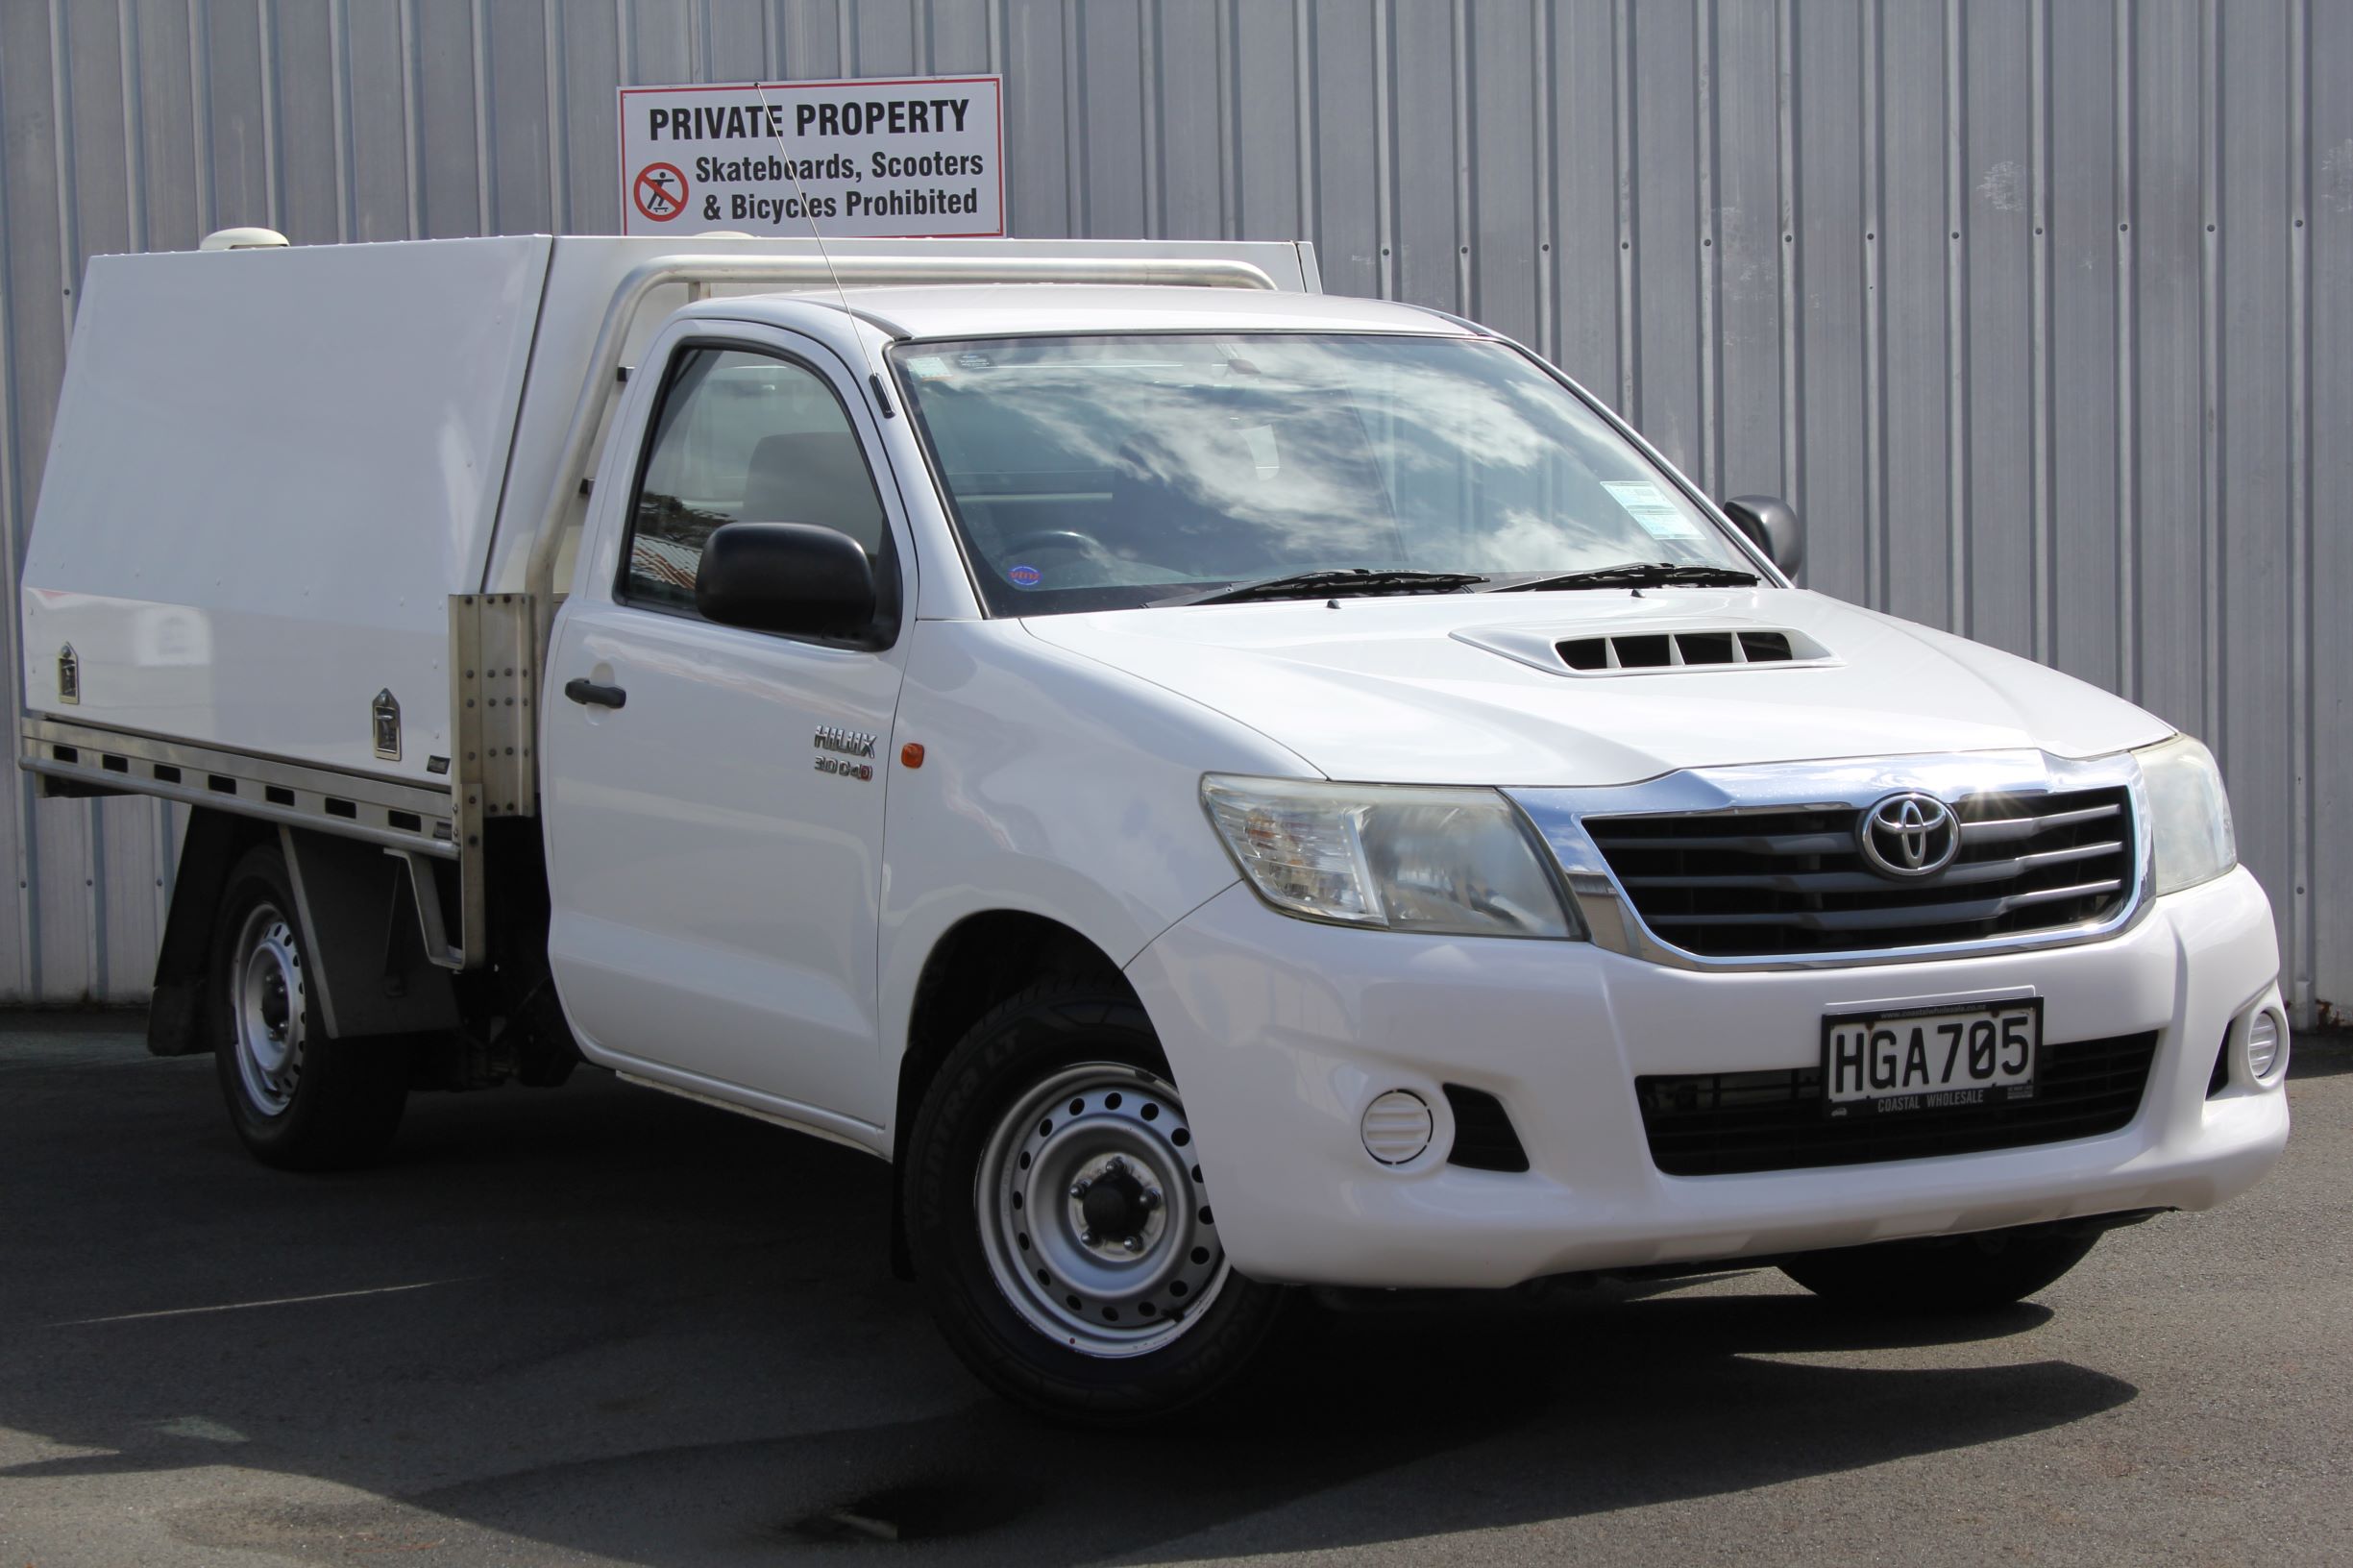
(1943, 1275)
(1059, 1219)
(296, 1099)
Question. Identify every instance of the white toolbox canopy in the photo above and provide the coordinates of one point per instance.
(272, 469)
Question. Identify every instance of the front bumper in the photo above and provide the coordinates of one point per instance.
(1281, 1031)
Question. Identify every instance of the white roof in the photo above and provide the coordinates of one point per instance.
(988, 309)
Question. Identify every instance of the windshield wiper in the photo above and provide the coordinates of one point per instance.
(1351, 582)
(1636, 575)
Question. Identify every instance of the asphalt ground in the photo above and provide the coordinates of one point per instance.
(606, 1326)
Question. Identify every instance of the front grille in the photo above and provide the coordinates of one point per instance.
(1751, 883)
(1720, 1124)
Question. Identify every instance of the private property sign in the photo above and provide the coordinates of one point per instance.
(915, 157)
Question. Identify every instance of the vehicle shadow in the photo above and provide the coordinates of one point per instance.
(615, 1324)
(1394, 1431)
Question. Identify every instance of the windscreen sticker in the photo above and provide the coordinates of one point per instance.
(1024, 577)
(1650, 507)
(928, 367)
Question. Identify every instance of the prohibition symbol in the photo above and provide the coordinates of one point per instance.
(660, 192)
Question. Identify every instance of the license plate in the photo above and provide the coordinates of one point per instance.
(1937, 1058)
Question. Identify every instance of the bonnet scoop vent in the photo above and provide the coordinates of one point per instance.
(1697, 646)
(1682, 650)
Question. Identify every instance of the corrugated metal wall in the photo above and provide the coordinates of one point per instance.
(2078, 273)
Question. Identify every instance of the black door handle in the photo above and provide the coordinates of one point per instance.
(580, 689)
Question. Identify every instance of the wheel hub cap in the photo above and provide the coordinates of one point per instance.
(268, 1010)
(1114, 1212)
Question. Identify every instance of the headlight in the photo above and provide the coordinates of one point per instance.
(2189, 813)
(1399, 856)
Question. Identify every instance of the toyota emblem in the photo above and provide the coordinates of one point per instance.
(1909, 835)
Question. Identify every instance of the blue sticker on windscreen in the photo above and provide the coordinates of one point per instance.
(1024, 577)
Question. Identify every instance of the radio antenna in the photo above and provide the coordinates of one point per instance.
(784, 154)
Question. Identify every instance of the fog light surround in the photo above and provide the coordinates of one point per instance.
(2264, 1046)
(1398, 1127)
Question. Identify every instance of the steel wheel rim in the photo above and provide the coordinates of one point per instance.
(1134, 1271)
(268, 1009)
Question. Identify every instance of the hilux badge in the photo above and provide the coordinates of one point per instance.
(1909, 835)
(845, 753)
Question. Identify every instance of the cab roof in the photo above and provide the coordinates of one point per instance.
(1004, 309)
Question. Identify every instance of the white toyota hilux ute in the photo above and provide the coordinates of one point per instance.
(1227, 788)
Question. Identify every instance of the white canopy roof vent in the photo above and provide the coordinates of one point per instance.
(242, 239)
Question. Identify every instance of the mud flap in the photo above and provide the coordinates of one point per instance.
(361, 928)
(176, 1009)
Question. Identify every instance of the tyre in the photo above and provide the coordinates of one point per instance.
(298, 1099)
(1943, 1275)
(1060, 1224)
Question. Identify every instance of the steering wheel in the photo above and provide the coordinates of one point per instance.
(1055, 539)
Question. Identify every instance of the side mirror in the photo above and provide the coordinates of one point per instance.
(1772, 525)
(786, 577)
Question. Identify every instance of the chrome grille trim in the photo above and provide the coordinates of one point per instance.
(1726, 796)
(1996, 828)
(1958, 875)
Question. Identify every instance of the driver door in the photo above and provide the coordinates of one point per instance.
(715, 883)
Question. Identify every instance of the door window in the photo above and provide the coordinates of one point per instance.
(742, 438)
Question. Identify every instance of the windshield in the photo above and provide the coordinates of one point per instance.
(1111, 472)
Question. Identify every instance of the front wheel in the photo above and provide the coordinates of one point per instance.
(1943, 1275)
(1061, 1222)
